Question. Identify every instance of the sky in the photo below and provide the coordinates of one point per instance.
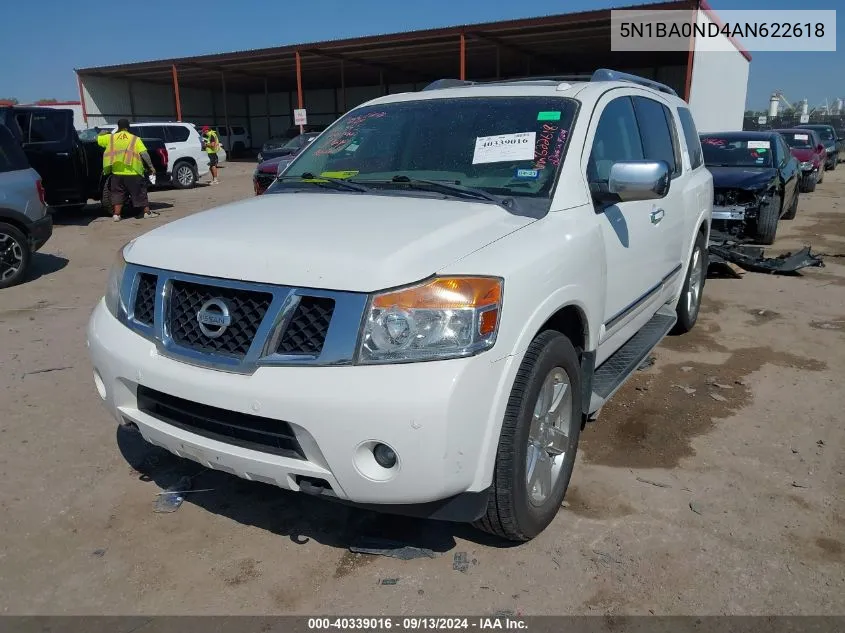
(46, 45)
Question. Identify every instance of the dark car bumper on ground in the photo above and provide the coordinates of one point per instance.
(40, 231)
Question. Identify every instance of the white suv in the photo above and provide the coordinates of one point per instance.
(187, 161)
(235, 143)
(422, 311)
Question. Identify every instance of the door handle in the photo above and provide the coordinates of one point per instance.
(657, 215)
(171, 148)
(61, 153)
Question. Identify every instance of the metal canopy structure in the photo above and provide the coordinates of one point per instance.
(545, 45)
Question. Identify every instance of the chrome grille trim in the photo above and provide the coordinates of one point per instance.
(339, 347)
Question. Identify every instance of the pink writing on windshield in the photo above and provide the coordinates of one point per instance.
(343, 135)
(555, 157)
(544, 141)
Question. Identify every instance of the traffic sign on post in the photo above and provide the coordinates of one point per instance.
(805, 118)
(761, 120)
(300, 117)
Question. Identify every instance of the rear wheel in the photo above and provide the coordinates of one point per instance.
(809, 184)
(539, 438)
(767, 222)
(184, 175)
(105, 199)
(14, 255)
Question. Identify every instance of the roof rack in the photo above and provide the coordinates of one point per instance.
(602, 74)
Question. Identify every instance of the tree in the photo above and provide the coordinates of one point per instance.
(46, 101)
(8, 101)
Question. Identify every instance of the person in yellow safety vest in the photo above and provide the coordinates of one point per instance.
(212, 146)
(124, 159)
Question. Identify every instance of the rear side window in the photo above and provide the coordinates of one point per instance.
(176, 133)
(693, 143)
(617, 139)
(48, 127)
(149, 131)
(12, 157)
(656, 132)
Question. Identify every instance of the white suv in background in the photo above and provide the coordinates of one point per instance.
(187, 161)
(235, 143)
(475, 270)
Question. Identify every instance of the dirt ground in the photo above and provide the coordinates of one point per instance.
(713, 483)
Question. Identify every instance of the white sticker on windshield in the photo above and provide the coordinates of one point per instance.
(759, 145)
(802, 137)
(504, 147)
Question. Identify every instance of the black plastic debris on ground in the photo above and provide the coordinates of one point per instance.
(393, 549)
(752, 258)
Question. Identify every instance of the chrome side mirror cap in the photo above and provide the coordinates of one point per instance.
(629, 181)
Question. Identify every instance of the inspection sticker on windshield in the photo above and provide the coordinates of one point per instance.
(759, 145)
(504, 147)
(553, 115)
(802, 137)
(528, 174)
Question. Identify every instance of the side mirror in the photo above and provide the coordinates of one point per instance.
(633, 180)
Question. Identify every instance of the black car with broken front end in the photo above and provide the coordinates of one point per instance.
(755, 182)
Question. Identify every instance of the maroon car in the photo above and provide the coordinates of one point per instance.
(266, 173)
(807, 147)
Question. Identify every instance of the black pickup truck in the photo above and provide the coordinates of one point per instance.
(70, 164)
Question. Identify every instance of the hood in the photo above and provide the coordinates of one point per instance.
(270, 166)
(804, 155)
(742, 177)
(336, 241)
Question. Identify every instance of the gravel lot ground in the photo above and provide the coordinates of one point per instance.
(712, 484)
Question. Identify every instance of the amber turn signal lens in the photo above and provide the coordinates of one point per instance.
(446, 293)
(487, 323)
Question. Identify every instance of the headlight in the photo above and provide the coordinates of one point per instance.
(114, 302)
(806, 165)
(446, 317)
(260, 158)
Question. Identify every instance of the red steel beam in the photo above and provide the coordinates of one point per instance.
(176, 92)
(463, 57)
(82, 99)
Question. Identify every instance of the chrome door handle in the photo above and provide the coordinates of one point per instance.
(171, 148)
(657, 215)
(61, 153)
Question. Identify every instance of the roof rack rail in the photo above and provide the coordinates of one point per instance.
(605, 74)
(602, 74)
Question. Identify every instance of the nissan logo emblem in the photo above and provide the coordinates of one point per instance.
(214, 318)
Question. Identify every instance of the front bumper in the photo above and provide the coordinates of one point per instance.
(730, 212)
(40, 231)
(434, 415)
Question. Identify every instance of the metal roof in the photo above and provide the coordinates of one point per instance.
(550, 44)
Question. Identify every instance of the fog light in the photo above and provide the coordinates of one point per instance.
(385, 457)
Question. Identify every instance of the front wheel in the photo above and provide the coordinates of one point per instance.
(767, 221)
(539, 438)
(14, 255)
(689, 303)
(809, 184)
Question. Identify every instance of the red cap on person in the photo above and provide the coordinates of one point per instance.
(205, 128)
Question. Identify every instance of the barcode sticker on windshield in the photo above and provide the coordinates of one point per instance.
(504, 147)
(759, 145)
(802, 137)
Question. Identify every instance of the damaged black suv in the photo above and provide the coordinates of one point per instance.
(755, 183)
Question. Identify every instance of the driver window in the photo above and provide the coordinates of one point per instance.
(617, 139)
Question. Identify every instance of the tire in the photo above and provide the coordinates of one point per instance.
(15, 255)
(793, 208)
(810, 184)
(511, 513)
(238, 150)
(767, 222)
(184, 175)
(833, 165)
(689, 303)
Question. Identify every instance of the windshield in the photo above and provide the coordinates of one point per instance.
(736, 152)
(507, 146)
(798, 140)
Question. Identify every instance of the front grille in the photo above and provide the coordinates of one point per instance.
(306, 332)
(145, 298)
(241, 429)
(246, 309)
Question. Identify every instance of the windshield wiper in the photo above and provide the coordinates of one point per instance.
(453, 189)
(337, 183)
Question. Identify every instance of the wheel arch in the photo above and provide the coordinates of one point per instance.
(15, 218)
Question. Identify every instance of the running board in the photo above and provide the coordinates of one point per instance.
(615, 370)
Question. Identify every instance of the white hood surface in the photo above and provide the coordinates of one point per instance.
(333, 241)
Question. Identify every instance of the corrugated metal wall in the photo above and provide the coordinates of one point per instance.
(107, 100)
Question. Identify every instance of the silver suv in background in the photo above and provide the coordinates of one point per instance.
(25, 225)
